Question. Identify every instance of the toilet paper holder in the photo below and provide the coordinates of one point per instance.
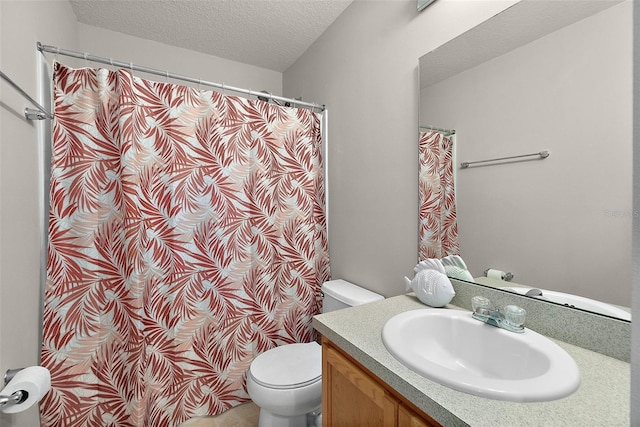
(507, 276)
(8, 376)
(18, 396)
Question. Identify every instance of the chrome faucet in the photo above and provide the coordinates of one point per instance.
(512, 320)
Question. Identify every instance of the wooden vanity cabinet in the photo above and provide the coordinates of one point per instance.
(352, 396)
(408, 418)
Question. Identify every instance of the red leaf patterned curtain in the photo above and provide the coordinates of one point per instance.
(438, 235)
(187, 235)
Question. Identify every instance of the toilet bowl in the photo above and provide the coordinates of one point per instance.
(286, 381)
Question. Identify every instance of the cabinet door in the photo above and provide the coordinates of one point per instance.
(351, 397)
(408, 418)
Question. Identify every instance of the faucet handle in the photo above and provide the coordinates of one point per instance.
(515, 316)
(480, 304)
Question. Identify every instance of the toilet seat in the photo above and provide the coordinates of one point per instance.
(288, 366)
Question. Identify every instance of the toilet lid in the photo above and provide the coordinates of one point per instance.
(288, 366)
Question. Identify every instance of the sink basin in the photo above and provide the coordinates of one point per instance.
(577, 302)
(453, 349)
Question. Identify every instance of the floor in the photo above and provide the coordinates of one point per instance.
(245, 415)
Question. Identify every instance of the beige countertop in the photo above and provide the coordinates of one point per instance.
(602, 399)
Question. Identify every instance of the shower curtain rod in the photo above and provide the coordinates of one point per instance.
(109, 61)
(443, 130)
(29, 113)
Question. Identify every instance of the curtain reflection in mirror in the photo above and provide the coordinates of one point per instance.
(438, 236)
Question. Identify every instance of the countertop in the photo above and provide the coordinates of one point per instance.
(602, 399)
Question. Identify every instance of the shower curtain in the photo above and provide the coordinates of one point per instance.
(438, 236)
(187, 235)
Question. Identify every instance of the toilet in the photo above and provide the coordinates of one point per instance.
(286, 382)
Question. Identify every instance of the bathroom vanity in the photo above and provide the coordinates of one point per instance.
(363, 384)
(353, 396)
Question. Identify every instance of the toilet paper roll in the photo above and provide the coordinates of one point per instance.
(34, 380)
(496, 274)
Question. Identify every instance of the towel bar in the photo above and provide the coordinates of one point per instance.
(541, 154)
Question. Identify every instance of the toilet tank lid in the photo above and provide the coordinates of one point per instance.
(349, 293)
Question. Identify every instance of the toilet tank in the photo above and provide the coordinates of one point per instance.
(339, 294)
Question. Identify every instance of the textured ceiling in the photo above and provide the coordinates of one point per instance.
(270, 34)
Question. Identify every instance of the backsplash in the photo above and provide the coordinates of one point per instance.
(602, 334)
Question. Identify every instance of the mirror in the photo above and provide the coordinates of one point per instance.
(544, 75)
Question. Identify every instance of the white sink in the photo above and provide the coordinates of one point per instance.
(577, 302)
(453, 349)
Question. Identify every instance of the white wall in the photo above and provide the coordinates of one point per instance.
(563, 223)
(22, 24)
(111, 44)
(365, 69)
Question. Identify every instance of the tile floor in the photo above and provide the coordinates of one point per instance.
(245, 415)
